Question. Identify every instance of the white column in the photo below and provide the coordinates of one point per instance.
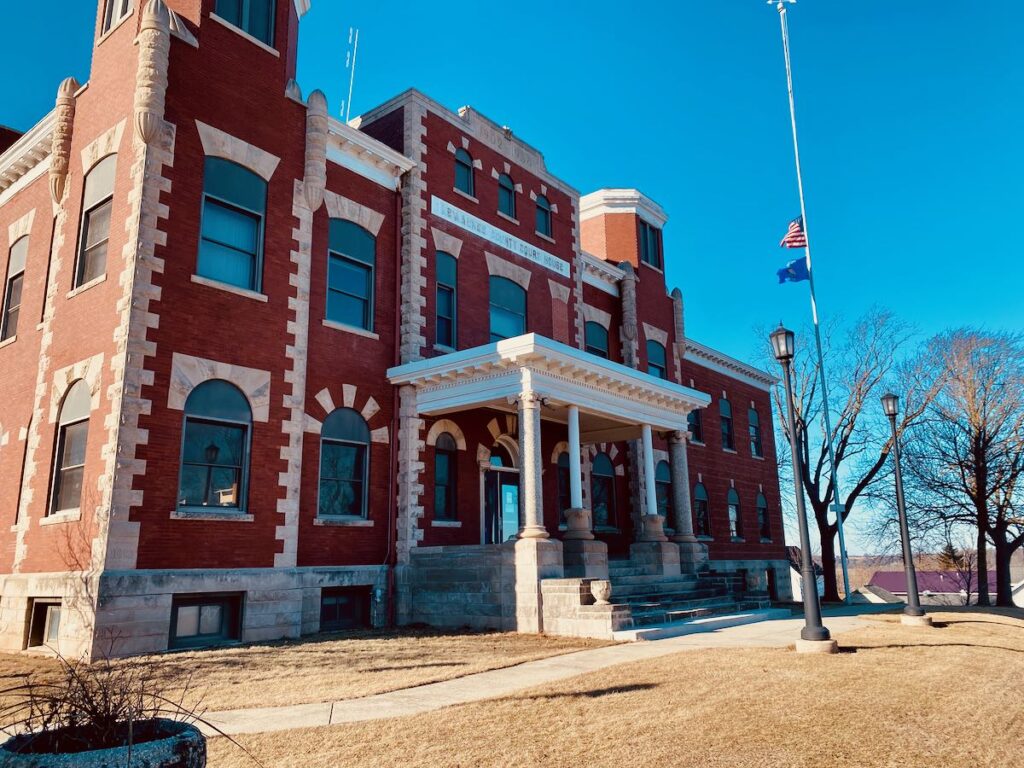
(530, 486)
(681, 505)
(575, 472)
(648, 458)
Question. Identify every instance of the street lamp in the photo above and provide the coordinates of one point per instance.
(814, 635)
(913, 613)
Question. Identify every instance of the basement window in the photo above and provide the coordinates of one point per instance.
(44, 624)
(201, 620)
(344, 608)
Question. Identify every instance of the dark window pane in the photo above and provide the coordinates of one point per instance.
(464, 172)
(696, 424)
(226, 265)
(12, 306)
(543, 216)
(234, 184)
(596, 339)
(231, 227)
(351, 240)
(75, 438)
(69, 489)
(92, 262)
(346, 424)
(230, 10)
(506, 195)
(261, 20)
(447, 267)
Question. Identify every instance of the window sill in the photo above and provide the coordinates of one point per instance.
(737, 540)
(446, 523)
(465, 195)
(730, 450)
(355, 330)
(344, 521)
(765, 541)
(65, 516)
(115, 27)
(698, 443)
(508, 218)
(647, 264)
(8, 342)
(443, 349)
(759, 458)
(207, 513)
(702, 537)
(542, 236)
(86, 286)
(244, 292)
(245, 34)
(606, 529)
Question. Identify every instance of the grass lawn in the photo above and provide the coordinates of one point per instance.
(896, 696)
(327, 667)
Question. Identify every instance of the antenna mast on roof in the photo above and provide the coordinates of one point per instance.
(350, 65)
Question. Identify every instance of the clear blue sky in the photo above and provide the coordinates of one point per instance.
(911, 118)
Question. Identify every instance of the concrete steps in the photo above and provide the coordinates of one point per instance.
(702, 623)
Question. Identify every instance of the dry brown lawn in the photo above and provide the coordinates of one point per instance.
(326, 668)
(895, 696)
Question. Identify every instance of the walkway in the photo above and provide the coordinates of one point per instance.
(503, 682)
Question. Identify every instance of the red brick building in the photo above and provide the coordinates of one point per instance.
(267, 373)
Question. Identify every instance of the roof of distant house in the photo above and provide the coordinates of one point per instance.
(936, 582)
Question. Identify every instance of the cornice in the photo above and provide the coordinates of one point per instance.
(363, 154)
(601, 274)
(729, 366)
(27, 152)
(632, 201)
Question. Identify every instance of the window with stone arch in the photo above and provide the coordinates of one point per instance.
(701, 513)
(445, 477)
(506, 195)
(215, 448)
(465, 180)
(754, 422)
(543, 216)
(763, 521)
(602, 490)
(351, 270)
(344, 464)
(507, 308)
(735, 516)
(232, 231)
(69, 456)
(97, 207)
(663, 489)
(11, 298)
(595, 338)
(657, 362)
(446, 300)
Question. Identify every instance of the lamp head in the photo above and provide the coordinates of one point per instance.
(783, 343)
(212, 451)
(891, 404)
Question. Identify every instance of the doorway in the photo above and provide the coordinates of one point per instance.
(501, 498)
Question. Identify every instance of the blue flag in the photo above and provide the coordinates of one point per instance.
(794, 272)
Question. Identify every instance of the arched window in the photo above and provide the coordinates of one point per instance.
(657, 364)
(344, 464)
(464, 180)
(564, 501)
(596, 339)
(255, 17)
(735, 518)
(701, 514)
(12, 289)
(763, 523)
(725, 414)
(663, 489)
(543, 216)
(97, 202)
(351, 263)
(69, 458)
(215, 447)
(234, 208)
(756, 448)
(447, 297)
(506, 195)
(695, 421)
(602, 490)
(445, 477)
(500, 457)
(508, 309)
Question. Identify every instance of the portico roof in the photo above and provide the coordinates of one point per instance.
(613, 399)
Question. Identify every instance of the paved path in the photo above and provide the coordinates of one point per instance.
(502, 682)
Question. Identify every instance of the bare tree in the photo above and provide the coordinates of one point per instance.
(965, 458)
(859, 366)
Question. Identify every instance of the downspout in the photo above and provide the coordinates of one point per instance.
(391, 553)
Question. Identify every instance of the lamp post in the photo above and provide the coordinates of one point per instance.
(814, 635)
(913, 613)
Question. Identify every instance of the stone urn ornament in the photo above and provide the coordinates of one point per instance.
(654, 528)
(601, 589)
(577, 524)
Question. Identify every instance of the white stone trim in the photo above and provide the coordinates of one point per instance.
(445, 242)
(656, 334)
(20, 228)
(242, 33)
(560, 448)
(631, 201)
(88, 370)
(217, 143)
(505, 268)
(227, 287)
(706, 357)
(595, 315)
(368, 408)
(23, 159)
(446, 425)
(107, 143)
(559, 291)
(188, 372)
(339, 207)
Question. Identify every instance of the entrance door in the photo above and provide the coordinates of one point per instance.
(501, 500)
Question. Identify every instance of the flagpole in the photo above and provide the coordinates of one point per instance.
(814, 306)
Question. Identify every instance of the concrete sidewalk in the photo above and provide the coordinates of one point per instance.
(503, 682)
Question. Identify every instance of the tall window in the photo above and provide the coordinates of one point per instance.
(445, 477)
(650, 245)
(657, 365)
(344, 464)
(725, 413)
(351, 262)
(447, 279)
(756, 449)
(12, 289)
(255, 17)
(234, 206)
(506, 195)
(663, 489)
(596, 339)
(701, 513)
(602, 490)
(735, 519)
(543, 216)
(464, 179)
(696, 425)
(69, 457)
(114, 11)
(763, 523)
(215, 447)
(508, 309)
(97, 202)
(564, 498)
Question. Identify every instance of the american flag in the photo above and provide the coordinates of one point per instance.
(795, 235)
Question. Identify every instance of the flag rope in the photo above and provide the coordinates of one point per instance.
(814, 309)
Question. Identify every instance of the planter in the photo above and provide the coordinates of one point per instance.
(601, 589)
(577, 523)
(165, 744)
